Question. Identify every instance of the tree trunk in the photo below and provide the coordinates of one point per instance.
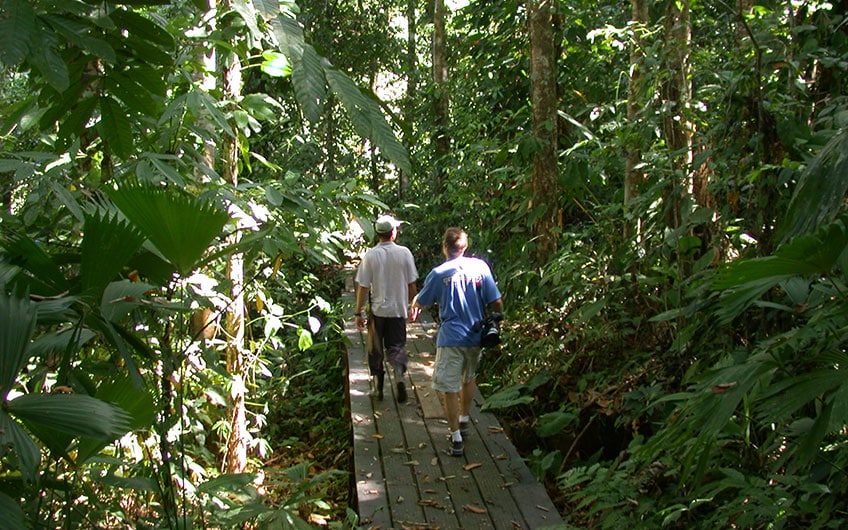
(411, 89)
(544, 100)
(632, 175)
(441, 105)
(236, 457)
(675, 94)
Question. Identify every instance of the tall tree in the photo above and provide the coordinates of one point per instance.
(441, 105)
(236, 456)
(411, 88)
(675, 92)
(544, 100)
(632, 176)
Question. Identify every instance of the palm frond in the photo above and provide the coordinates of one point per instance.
(44, 276)
(28, 454)
(17, 324)
(180, 226)
(74, 414)
(821, 190)
(107, 245)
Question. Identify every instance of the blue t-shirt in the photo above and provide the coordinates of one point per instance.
(462, 287)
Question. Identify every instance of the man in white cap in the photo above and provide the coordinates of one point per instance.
(387, 273)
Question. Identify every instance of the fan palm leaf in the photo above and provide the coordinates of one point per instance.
(181, 227)
(107, 245)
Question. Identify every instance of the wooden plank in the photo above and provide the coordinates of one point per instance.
(536, 506)
(371, 503)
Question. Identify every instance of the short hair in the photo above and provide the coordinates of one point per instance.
(455, 241)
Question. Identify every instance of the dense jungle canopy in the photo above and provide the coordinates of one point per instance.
(658, 186)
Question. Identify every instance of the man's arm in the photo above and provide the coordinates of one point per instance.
(415, 309)
(361, 297)
(497, 306)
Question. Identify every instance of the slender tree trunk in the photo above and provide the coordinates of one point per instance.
(441, 106)
(411, 89)
(632, 175)
(676, 96)
(236, 457)
(544, 100)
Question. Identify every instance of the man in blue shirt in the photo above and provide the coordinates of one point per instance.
(462, 287)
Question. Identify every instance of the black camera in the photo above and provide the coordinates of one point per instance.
(490, 326)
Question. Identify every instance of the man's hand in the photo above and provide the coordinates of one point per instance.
(414, 311)
(360, 322)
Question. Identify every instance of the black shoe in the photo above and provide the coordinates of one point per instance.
(463, 429)
(457, 449)
(401, 397)
(380, 379)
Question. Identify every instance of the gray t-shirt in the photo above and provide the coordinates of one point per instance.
(388, 269)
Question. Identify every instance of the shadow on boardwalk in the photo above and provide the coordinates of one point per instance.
(404, 476)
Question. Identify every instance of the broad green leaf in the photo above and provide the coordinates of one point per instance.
(145, 484)
(134, 96)
(49, 63)
(289, 36)
(17, 30)
(141, 28)
(11, 514)
(17, 324)
(367, 118)
(132, 399)
(181, 227)
(74, 414)
(248, 14)
(275, 64)
(309, 84)
(115, 128)
(553, 423)
(56, 342)
(304, 339)
(121, 297)
(508, 397)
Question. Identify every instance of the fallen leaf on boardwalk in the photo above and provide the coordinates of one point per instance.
(372, 492)
(447, 478)
(501, 457)
(473, 509)
(425, 479)
(422, 445)
(469, 467)
(400, 499)
(434, 461)
(494, 430)
(507, 484)
(431, 503)
(399, 450)
(431, 492)
(542, 508)
(377, 436)
(516, 525)
(411, 463)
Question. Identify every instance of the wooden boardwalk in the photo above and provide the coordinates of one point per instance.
(404, 476)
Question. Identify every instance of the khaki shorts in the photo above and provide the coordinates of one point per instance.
(455, 366)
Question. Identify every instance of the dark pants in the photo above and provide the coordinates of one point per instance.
(390, 337)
